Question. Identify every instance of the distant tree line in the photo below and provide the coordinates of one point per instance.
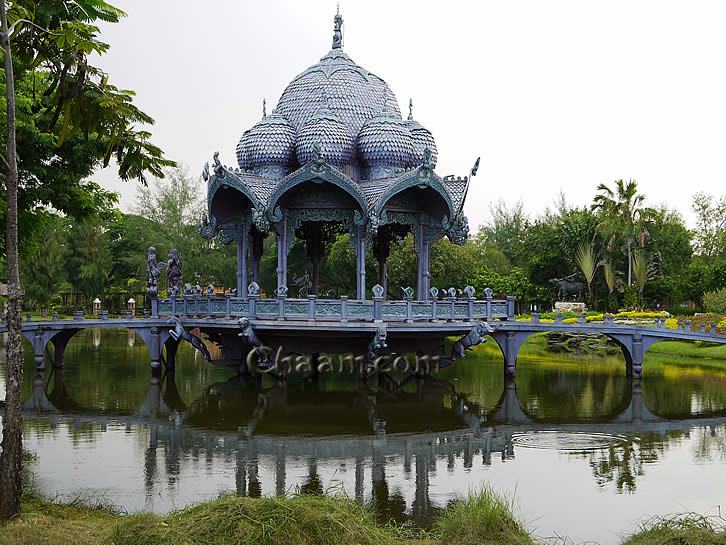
(628, 255)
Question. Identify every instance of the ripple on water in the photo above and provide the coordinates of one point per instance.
(568, 441)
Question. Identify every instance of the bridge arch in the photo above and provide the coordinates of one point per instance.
(155, 338)
(632, 345)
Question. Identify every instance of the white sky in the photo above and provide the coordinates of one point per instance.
(555, 95)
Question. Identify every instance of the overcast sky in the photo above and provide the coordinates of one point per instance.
(556, 95)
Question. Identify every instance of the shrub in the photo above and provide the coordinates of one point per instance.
(715, 301)
(234, 520)
(483, 518)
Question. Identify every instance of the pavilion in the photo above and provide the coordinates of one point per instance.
(334, 156)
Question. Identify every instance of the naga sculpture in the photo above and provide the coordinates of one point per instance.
(179, 333)
(474, 337)
(377, 345)
(174, 271)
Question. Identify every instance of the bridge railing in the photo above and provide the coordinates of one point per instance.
(377, 309)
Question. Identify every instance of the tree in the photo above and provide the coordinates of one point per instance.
(643, 270)
(623, 217)
(586, 260)
(12, 443)
(507, 228)
(175, 205)
(73, 118)
(44, 268)
(611, 281)
(710, 236)
(89, 258)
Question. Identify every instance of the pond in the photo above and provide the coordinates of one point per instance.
(583, 451)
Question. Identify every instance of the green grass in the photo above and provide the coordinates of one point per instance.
(693, 350)
(234, 520)
(483, 518)
(681, 530)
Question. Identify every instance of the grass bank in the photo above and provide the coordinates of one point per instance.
(481, 519)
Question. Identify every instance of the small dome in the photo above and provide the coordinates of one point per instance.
(326, 129)
(385, 145)
(271, 142)
(422, 139)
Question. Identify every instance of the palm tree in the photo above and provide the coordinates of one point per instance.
(623, 217)
(586, 260)
(611, 280)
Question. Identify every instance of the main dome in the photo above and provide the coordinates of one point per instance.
(352, 93)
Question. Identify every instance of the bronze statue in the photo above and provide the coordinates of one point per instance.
(173, 271)
(153, 270)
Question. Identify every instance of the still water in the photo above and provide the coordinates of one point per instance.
(583, 452)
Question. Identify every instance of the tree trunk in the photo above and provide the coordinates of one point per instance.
(630, 264)
(12, 442)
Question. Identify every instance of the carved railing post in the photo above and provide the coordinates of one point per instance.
(582, 318)
(713, 328)
(434, 293)
(228, 301)
(154, 307)
(311, 306)
(409, 308)
(608, 319)
(688, 326)
(343, 308)
(559, 318)
(173, 305)
(535, 317)
(378, 303)
(511, 299)
(488, 292)
(470, 293)
(452, 298)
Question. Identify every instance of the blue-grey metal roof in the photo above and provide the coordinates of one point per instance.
(326, 129)
(385, 140)
(270, 141)
(351, 92)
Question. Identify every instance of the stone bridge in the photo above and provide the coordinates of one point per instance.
(409, 329)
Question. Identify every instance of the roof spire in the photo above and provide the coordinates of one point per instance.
(410, 109)
(337, 32)
(264, 108)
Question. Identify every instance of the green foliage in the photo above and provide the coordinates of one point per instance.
(89, 259)
(482, 518)
(171, 208)
(586, 260)
(70, 120)
(689, 529)
(43, 271)
(715, 301)
(319, 520)
(710, 235)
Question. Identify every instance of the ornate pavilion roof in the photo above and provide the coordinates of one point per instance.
(345, 119)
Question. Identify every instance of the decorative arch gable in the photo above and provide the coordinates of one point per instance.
(420, 177)
(319, 171)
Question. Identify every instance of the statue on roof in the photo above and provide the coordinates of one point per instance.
(337, 30)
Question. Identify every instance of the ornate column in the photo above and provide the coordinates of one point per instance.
(242, 244)
(360, 252)
(258, 242)
(382, 249)
(421, 263)
(314, 251)
(282, 244)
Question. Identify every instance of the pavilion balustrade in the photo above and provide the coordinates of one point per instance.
(344, 309)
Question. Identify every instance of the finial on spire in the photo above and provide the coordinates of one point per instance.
(337, 29)
(264, 108)
(410, 109)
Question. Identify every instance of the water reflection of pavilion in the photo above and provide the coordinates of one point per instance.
(406, 429)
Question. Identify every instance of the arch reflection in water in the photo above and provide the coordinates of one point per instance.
(387, 441)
